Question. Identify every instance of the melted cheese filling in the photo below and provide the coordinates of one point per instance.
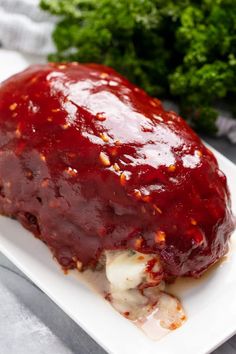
(128, 269)
(137, 291)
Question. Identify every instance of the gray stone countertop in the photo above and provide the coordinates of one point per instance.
(30, 323)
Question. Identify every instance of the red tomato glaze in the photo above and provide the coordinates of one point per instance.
(89, 162)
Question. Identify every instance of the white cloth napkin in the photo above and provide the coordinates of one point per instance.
(24, 27)
(27, 29)
(226, 125)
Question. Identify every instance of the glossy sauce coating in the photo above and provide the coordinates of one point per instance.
(89, 162)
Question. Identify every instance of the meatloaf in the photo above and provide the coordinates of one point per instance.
(89, 163)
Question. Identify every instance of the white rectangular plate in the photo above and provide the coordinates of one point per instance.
(209, 302)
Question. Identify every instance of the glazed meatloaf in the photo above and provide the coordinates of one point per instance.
(89, 163)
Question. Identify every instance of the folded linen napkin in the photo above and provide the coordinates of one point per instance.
(24, 27)
(27, 29)
(226, 125)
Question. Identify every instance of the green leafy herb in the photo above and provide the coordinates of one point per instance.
(183, 49)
